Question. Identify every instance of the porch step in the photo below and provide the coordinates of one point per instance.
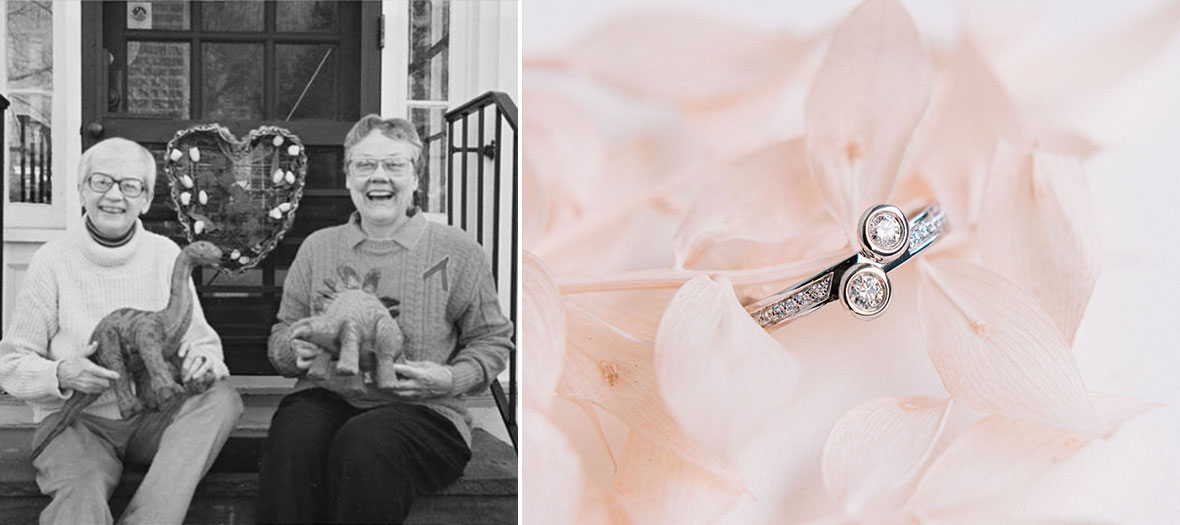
(485, 494)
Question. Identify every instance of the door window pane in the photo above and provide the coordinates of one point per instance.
(300, 69)
(232, 81)
(306, 16)
(29, 76)
(158, 79)
(232, 16)
(160, 14)
(325, 168)
(429, 49)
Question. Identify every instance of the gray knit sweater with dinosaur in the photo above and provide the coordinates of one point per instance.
(449, 311)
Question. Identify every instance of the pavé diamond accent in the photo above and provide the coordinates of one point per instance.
(800, 302)
(925, 229)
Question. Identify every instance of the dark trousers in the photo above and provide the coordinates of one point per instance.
(327, 461)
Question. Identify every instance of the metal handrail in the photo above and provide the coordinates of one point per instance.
(503, 110)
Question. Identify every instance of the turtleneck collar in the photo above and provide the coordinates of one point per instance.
(110, 242)
(102, 254)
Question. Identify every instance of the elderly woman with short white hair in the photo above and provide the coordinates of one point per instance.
(106, 263)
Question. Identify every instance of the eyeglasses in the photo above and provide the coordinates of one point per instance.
(366, 167)
(101, 183)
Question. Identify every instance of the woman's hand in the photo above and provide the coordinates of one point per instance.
(423, 380)
(305, 353)
(81, 374)
(200, 361)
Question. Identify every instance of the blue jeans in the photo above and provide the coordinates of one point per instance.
(328, 461)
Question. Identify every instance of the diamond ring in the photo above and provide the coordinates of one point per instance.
(887, 239)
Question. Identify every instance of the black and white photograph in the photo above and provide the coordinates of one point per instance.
(259, 261)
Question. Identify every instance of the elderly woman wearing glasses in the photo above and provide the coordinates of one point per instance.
(334, 454)
(111, 262)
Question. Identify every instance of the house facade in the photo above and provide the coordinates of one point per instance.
(78, 72)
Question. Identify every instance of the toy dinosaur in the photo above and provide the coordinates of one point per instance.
(353, 324)
(142, 346)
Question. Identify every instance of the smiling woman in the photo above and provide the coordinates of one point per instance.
(376, 441)
(115, 182)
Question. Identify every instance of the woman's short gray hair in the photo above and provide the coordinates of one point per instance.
(127, 149)
(394, 128)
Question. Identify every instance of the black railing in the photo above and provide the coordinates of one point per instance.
(502, 110)
(32, 160)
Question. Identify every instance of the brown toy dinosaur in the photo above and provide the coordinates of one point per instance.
(142, 346)
(354, 325)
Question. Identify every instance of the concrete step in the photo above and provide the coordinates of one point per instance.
(485, 494)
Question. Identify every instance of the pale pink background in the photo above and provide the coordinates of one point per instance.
(1127, 342)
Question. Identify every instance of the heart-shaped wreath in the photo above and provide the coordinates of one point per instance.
(240, 195)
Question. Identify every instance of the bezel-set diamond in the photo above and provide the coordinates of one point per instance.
(865, 290)
(884, 232)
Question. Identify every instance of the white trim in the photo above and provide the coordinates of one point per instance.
(395, 58)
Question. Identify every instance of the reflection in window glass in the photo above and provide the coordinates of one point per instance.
(232, 81)
(158, 79)
(306, 16)
(29, 81)
(429, 49)
(303, 80)
(232, 16)
(432, 180)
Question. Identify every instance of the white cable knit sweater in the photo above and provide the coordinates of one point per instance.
(71, 284)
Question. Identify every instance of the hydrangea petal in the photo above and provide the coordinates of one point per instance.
(878, 447)
(659, 55)
(954, 146)
(552, 489)
(1037, 209)
(996, 350)
(614, 370)
(865, 101)
(763, 210)
(999, 455)
(656, 486)
(543, 324)
(720, 374)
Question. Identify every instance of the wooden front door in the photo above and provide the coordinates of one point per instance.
(151, 68)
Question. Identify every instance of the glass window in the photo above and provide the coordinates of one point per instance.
(302, 17)
(429, 49)
(232, 81)
(158, 78)
(232, 16)
(432, 174)
(29, 87)
(306, 78)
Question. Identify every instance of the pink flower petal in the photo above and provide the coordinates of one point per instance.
(614, 370)
(551, 487)
(1037, 209)
(878, 447)
(656, 486)
(543, 325)
(865, 101)
(684, 57)
(720, 374)
(761, 211)
(998, 456)
(955, 144)
(996, 350)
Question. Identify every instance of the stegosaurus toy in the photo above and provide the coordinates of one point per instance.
(142, 346)
(355, 326)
